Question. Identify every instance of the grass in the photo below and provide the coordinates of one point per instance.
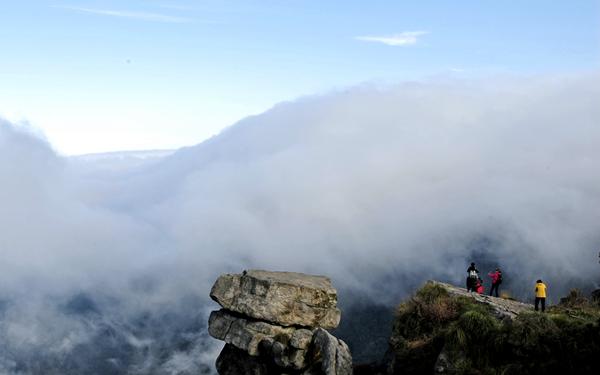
(566, 339)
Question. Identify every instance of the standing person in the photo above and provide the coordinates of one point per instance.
(472, 277)
(540, 295)
(496, 280)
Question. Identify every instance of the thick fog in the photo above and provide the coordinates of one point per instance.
(379, 188)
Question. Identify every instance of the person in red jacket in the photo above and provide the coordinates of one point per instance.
(496, 280)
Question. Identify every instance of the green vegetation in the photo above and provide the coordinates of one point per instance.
(472, 340)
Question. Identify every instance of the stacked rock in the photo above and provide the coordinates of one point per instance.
(275, 323)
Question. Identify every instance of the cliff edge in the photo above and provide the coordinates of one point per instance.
(443, 329)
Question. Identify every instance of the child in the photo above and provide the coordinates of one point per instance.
(479, 287)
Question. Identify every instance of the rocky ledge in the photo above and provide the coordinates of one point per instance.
(275, 323)
(501, 308)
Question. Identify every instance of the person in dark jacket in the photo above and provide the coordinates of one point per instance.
(472, 277)
(496, 277)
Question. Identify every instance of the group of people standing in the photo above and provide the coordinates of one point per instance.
(475, 284)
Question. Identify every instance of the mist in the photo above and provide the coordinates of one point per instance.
(381, 188)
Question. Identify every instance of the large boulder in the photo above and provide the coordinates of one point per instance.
(287, 346)
(284, 298)
(273, 323)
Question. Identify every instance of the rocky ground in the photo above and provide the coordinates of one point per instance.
(501, 307)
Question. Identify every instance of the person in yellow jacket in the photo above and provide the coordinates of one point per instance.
(540, 295)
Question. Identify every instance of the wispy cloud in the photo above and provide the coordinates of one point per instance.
(145, 16)
(405, 38)
(175, 6)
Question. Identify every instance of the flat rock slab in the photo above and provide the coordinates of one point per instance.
(503, 308)
(283, 298)
(253, 335)
(245, 334)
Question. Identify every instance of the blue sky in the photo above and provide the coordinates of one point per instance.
(143, 74)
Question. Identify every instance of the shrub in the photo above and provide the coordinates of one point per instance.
(533, 333)
(574, 299)
(426, 312)
(474, 334)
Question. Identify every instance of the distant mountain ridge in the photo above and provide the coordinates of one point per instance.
(140, 154)
(121, 160)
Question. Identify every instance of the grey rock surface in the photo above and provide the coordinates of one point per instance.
(284, 298)
(503, 308)
(332, 353)
(245, 334)
(301, 338)
(442, 363)
(446, 362)
(286, 347)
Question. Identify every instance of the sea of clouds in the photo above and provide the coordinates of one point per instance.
(105, 267)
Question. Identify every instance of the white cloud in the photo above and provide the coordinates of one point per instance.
(405, 38)
(154, 17)
(367, 186)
